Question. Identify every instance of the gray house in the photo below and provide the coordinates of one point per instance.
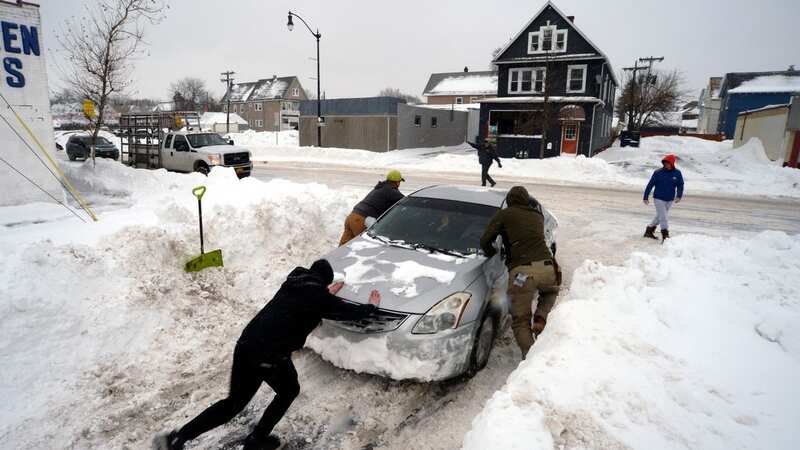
(381, 124)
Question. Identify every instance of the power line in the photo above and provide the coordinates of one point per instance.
(228, 80)
(42, 189)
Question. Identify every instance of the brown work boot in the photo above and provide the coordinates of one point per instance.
(649, 232)
(664, 235)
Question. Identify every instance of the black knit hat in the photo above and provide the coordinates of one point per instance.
(323, 268)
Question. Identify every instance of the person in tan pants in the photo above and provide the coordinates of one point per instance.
(531, 266)
(382, 197)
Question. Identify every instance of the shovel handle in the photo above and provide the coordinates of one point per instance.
(199, 191)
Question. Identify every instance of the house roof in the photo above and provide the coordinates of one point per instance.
(462, 83)
(264, 89)
(764, 108)
(769, 83)
(574, 27)
(733, 80)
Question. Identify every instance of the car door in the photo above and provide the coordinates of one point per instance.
(182, 158)
(168, 153)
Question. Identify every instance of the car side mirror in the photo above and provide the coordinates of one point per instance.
(230, 141)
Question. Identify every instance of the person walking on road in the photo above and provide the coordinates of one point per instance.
(385, 194)
(531, 266)
(668, 184)
(263, 354)
(486, 155)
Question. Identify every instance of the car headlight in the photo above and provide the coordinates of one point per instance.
(445, 315)
(214, 159)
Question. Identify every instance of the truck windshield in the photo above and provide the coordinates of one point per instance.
(205, 139)
(435, 223)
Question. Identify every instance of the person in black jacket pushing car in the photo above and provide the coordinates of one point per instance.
(263, 354)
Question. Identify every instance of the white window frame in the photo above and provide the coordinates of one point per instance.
(459, 100)
(295, 92)
(534, 79)
(259, 107)
(538, 37)
(259, 123)
(584, 67)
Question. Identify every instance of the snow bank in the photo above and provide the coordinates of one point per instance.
(105, 339)
(694, 348)
(707, 166)
(253, 139)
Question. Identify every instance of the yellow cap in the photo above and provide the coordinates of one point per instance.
(394, 175)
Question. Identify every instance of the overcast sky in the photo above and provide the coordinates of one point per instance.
(371, 44)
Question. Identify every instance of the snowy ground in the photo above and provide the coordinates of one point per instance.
(710, 167)
(105, 340)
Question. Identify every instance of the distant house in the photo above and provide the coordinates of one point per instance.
(381, 124)
(708, 107)
(270, 104)
(746, 91)
(550, 75)
(776, 126)
(218, 122)
(690, 114)
(460, 87)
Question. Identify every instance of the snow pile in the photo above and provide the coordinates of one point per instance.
(105, 339)
(255, 139)
(209, 119)
(768, 83)
(694, 348)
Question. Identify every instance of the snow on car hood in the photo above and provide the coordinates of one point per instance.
(408, 280)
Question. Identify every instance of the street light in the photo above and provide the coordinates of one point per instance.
(317, 35)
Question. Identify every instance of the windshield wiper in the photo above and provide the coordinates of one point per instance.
(433, 249)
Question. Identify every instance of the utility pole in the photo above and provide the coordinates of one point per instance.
(228, 80)
(649, 60)
(631, 92)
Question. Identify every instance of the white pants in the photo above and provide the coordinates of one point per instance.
(662, 211)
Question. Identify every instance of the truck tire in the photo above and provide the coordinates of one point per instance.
(202, 167)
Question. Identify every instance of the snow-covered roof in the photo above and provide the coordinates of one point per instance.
(462, 83)
(240, 92)
(208, 119)
(453, 106)
(541, 100)
(769, 83)
(764, 108)
(264, 89)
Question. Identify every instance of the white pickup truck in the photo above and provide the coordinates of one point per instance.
(190, 151)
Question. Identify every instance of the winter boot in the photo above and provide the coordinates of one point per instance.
(649, 232)
(664, 235)
(168, 441)
(257, 441)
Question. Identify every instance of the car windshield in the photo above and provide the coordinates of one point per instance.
(205, 139)
(432, 224)
(100, 140)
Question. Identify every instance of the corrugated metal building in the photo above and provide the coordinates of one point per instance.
(381, 124)
(746, 91)
(778, 129)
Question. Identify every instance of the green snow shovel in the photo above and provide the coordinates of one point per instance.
(205, 260)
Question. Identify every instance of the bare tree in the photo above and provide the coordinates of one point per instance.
(190, 94)
(495, 54)
(394, 92)
(101, 46)
(643, 99)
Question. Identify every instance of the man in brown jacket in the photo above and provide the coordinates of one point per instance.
(382, 197)
(531, 265)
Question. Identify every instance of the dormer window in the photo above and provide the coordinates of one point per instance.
(549, 39)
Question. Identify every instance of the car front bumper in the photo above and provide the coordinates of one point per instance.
(397, 354)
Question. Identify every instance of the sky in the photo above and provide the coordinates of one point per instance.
(368, 45)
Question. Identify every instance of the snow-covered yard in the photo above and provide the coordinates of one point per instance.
(708, 167)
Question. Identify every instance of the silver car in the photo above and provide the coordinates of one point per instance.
(441, 300)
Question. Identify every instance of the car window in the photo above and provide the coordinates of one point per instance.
(204, 139)
(168, 141)
(180, 144)
(444, 224)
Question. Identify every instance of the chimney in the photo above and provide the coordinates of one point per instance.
(571, 18)
(466, 69)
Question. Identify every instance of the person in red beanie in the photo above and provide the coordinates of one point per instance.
(668, 184)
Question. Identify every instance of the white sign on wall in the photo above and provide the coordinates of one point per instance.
(23, 82)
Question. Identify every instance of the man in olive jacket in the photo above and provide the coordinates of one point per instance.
(531, 265)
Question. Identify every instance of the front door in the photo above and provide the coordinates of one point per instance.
(570, 134)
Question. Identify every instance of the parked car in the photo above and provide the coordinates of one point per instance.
(423, 256)
(79, 147)
(629, 138)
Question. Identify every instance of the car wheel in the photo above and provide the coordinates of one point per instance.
(482, 344)
(202, 168)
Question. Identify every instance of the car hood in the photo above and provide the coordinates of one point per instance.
(410, 281)
(221, 149)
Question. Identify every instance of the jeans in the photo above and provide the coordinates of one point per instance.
(662, 212)
(247, 374)
(485, 175)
